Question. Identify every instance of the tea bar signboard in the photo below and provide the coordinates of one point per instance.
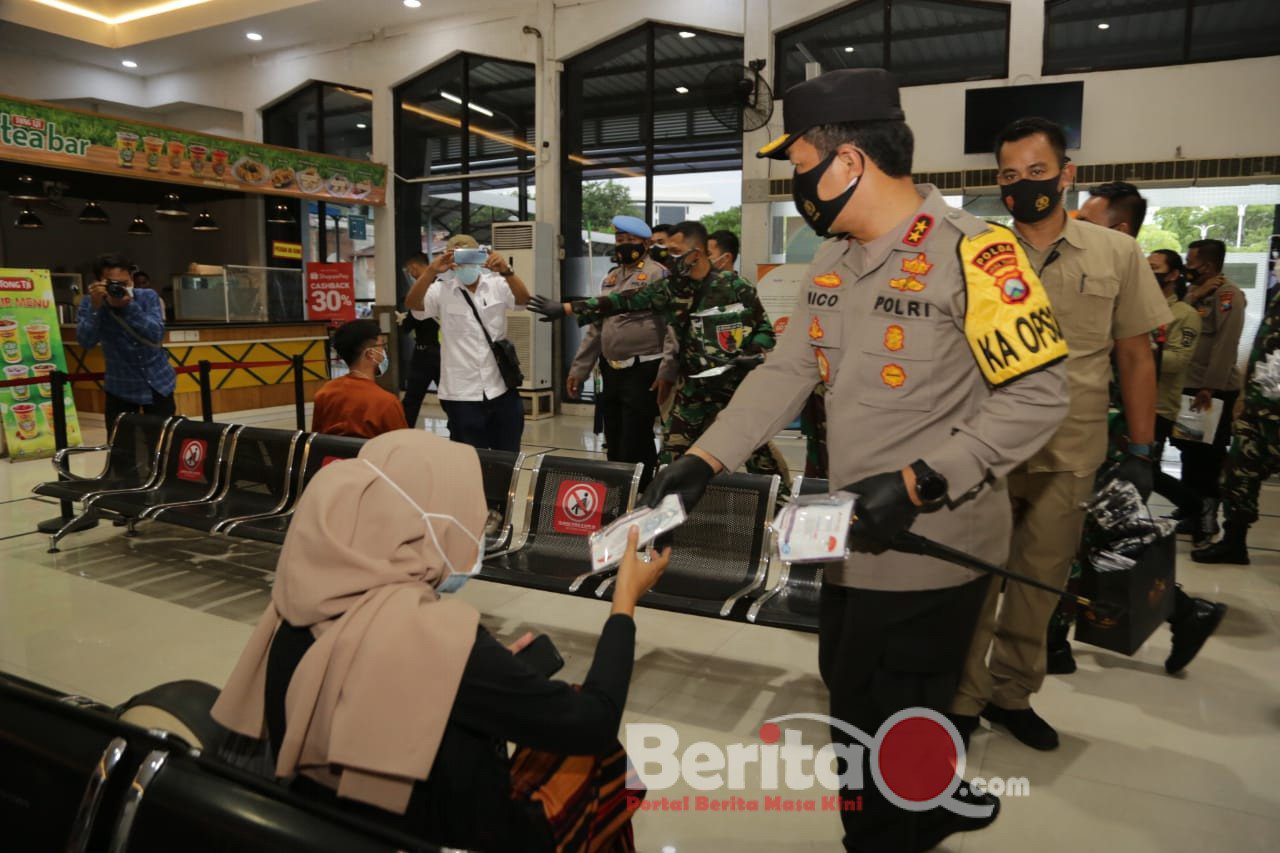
(31, 349)
(48, 135)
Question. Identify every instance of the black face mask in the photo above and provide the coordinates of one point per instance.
(1030, 201)
(818, 212)
(628, 253)
(659, 253)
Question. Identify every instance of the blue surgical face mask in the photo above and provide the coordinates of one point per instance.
(385, 364)
(455, 579)
(467, 274)
(409, 278)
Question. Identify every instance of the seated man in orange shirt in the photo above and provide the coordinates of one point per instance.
(354, 404)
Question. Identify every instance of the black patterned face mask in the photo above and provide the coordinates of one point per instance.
(820, 213)
(1030, 201)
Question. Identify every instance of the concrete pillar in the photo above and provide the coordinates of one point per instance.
(547, 131)
(757, 42)
(384, 218)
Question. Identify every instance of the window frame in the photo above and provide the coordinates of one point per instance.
(887, 39)
(1188, 23)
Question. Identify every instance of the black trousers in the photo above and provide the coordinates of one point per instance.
(495, 424)
(424, 369)
(117, 406)
(629, 408)
(1173, 490)
(880, 653)
(1202, 463)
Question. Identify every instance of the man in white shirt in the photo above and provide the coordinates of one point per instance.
(481, 409)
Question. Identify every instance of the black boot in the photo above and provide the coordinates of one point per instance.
(1024, 724)
(1058, 649)
(1194, 620)
(1231, 548)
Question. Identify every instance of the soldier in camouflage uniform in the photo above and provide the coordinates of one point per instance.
(722, 330)
(1255, 452)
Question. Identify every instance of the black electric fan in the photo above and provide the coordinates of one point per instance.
(738, 97)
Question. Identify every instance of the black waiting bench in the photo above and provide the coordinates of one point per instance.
(243, 482)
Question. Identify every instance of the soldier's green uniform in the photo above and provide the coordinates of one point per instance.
(714, 321)
(1255, 446)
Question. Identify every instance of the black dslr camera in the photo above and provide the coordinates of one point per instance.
(117, 289)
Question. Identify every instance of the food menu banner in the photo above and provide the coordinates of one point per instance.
(31, 348)
(48, 135)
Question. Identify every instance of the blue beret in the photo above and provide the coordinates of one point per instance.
(632, 225)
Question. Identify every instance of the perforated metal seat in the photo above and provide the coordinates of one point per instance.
(318, 450)
(721, 554)
(135, 451)
(499, 469)
(792, 602)
(258, 482)
(552, 552)
(79, 779)
(191, 473)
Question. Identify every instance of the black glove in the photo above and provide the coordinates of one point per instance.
(1137, 470)
(746, 362)
(550, 309)
(883, 509)
(687, 477)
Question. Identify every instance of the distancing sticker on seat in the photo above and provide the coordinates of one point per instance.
(191, 460)
(579, 507)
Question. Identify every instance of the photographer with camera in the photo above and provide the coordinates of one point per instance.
(129, 324)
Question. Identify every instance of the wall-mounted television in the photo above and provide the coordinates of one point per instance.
(987, 111)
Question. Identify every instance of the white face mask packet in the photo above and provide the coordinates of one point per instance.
(814, 527)
(713, 371)
(609, 545)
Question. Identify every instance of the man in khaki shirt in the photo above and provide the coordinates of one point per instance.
(629, 349)
(944, 368)
(1104, 298)
(1213, 375)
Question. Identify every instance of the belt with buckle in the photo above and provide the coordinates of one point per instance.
(633, 361)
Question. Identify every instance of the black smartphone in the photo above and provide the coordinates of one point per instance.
(542, 656)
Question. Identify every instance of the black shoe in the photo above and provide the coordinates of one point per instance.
(1190, 632)
(966, 725)
(1232, 548)
(1024, 724)
(1203, 527)
(1224, 551)
(939, 824)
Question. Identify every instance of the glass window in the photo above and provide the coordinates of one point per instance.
(935, 41)
(1094, 35)
(921, 41)
(465, 141)
(639, 111)
(1234, 29)
(328, 119)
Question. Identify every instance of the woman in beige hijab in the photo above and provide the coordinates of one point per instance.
(393, 702)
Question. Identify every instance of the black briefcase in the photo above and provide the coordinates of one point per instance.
(1144, 595)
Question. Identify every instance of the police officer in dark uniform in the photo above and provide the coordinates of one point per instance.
(943, 367)
(424, 368)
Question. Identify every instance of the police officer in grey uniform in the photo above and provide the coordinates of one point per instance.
(943, 367)
(629, 349)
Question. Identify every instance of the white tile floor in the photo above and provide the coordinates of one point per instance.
(1147, 763)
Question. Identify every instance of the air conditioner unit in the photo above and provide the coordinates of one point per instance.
(530, 249)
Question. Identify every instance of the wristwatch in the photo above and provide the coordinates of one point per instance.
(931, 487)
(508, 273)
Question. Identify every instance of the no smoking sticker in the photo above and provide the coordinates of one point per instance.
(579, 507)
(191, 460)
